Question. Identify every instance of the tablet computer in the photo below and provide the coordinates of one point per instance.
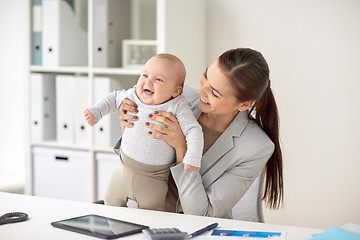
(99, 226)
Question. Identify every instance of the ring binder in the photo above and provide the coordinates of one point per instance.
(64, 39)
(109, 29)
(43, 107)
(36, 35)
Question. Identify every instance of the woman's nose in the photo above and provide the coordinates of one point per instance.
(201, 90)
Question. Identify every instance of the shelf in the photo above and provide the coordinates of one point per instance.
(86, 70)
(103, 149)
(55, 144)
(116, 71)
(110, 24)
(70, 69)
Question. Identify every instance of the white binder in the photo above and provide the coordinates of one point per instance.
(42, 107)
(81, 101)
(64, 36)
(64, 107)
(108, 129)
(111, 18)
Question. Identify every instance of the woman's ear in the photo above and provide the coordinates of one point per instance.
(246, 105)
(177, 91)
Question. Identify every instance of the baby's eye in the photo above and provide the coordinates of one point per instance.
(145, 75)
(159, 79)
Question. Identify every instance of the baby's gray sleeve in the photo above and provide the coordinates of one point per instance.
(193, 134)
(108, 104)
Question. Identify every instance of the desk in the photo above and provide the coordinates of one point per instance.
(43, 211)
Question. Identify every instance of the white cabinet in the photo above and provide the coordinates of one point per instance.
(63, 174)
(115, 31)
(105, 163)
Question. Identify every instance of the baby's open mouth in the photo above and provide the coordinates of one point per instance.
(148, 92)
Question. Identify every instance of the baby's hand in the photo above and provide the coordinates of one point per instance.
(188, 167)
(89, 117)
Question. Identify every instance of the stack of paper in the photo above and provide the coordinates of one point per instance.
(347, 232)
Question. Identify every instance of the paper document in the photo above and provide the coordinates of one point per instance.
(335, 233)
(243, 235)
(352, 227)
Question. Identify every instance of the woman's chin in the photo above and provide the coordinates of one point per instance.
(204, 107)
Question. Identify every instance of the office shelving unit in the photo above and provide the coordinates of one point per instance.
(176, 27)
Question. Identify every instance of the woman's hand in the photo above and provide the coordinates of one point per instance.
(171, 133)
(127, 106)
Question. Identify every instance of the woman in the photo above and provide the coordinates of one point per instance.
(239, 117)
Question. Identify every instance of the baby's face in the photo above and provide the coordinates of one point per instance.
(158, 82)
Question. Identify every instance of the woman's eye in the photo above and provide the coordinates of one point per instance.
(213, 93)
(205, 75)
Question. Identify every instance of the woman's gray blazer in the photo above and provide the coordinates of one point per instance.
(227, 170)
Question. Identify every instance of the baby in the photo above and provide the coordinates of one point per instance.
(145, 161)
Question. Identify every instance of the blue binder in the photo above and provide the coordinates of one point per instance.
(36, 35)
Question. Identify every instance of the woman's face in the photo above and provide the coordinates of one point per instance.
(217, 94)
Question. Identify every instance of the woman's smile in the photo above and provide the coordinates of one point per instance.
(203, 101)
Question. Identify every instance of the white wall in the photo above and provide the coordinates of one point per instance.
(12, 64)
(313, 50)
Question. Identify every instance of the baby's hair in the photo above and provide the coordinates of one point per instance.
(179, 63)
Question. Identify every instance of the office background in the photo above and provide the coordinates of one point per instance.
(313, 50)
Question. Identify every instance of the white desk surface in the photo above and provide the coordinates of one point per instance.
(43, 211)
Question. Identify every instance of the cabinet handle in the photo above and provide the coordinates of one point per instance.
(61, 158)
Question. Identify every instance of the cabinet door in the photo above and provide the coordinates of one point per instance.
(62, 174)
(106, 164)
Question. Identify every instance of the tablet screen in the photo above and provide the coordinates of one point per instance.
(99, 226)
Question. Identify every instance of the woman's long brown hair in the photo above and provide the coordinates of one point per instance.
(249, 72)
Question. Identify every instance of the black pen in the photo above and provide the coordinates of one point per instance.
(201, 231)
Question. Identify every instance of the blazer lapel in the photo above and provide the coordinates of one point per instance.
(222, 145)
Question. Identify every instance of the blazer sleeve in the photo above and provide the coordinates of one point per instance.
(218, 198)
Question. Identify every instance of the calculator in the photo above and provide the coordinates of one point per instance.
(164, 233)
